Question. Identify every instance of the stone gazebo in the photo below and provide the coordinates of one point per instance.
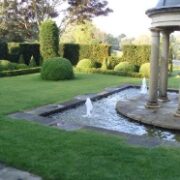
(165, 20)
(158, 109)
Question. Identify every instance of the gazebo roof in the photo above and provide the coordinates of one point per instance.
(165, 6)
(167, 3)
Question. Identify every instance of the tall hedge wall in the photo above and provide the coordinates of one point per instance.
(3, 50)
(76, 52)
(73, 52)
(137, 54)
(27, 50)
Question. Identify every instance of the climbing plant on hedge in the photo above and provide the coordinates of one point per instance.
(49, 39)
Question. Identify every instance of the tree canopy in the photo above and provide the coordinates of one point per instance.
(20, 19)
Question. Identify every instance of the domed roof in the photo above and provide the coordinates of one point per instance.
(164, 6)
(165, 14)
(167, 3)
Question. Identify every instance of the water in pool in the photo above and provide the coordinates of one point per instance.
(104, 115)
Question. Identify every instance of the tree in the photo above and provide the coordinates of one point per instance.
(87, 9)
(81, 33)
(23, 17)
(49, 39)
(113, 41)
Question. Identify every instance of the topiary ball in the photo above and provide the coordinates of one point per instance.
(57, 69)
(145, 70)
(124, 67)
(85, 64)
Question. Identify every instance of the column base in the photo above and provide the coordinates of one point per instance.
(163, 98)
(177, 114)
(152, 105)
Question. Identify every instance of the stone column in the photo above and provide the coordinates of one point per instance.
(163, 81)
(178, 110)
(154, 69)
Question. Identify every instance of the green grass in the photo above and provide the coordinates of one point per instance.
(83, 155)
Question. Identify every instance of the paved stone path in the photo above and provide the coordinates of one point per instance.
(8, 173)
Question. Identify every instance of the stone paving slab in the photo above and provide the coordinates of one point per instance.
(163, 117)
(8, 173)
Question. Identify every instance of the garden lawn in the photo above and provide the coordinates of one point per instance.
(83, 155)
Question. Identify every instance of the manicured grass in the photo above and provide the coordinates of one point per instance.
(83, 155)
(23, 92)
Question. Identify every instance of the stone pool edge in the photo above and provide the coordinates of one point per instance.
(40, 114)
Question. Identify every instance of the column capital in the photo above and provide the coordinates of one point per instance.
(155, 32)
(166, 31)
(154, 29)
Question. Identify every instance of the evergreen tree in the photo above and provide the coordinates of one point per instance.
(49, 39)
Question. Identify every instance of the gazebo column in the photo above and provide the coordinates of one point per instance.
(154, 69)
(163, 81)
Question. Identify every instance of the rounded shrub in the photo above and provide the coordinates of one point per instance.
(145, 70)
(57, 69)
(124, 67)
(4, 65)
(49, 39)
(85, 64)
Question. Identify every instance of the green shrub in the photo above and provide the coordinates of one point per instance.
(112, 72)
(12, 66)
(3, 50)
(4, 65)
(85, 64)
(32, 62)
(76, 52)
(19, 72)
(21, 59)
(57, 69)
(21, 66)
(137, 54)
(145, 70)
(106, 64)
(114, 60)
(28, 50)
(124, 67)
(49, 39)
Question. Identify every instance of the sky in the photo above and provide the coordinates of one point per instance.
(128, 17)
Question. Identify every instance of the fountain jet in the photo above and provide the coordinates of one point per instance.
(144, 86)
(89, 107)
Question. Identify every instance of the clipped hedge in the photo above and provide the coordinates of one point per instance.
(49, 39)
(3, 50)
(73, 52)
(19, 72)
(8, 66)
(137, 54)
(111, 62)
(4, 65)
(76, 52)
(85, 64)
(124, 67)
(145, 70)
(25, 51)
(30, 49)
(57, 69)
(111, 72)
